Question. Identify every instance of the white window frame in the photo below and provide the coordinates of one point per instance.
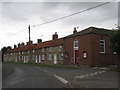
(39, 58)
(43, 57)
(43, 50)
(50, 49)
(76, 42)
(50, 57)
(61, 56)
(103, 40)
(28, 52)
(60, 48)
(33, 57)
(114, 53)
(33, 51)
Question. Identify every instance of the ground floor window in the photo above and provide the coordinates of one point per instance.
(50, 57)
(43, 57)
(39, 58)
(102, 45)
(32, 57)
(22, 57)
(60, 56)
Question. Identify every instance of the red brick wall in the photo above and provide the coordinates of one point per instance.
(90, 44)
(84, 45)
(99, 58)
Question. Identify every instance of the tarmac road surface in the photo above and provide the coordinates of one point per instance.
(25, 76)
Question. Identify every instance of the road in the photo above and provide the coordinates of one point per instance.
(24, 76)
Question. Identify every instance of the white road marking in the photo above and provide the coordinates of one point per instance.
(61, 79)
(42, 70)
(91, 74)
(96, 73)
(103, 71)
(56, 76)
(104, 68)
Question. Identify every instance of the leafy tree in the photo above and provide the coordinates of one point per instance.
(115, 43)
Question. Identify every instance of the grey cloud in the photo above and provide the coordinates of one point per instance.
(21, 11)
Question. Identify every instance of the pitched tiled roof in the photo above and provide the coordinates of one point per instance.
(43, 44)
(89, 30)
(49, 43)
(57, 42)
(21, 48)
(36, 46)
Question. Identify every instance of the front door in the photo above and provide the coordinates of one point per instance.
(55, 58)
(39, 58)
(76, 57)
(76, 51)
(36, 59)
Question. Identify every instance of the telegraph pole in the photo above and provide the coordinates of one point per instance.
(29, 33)
(29, 43)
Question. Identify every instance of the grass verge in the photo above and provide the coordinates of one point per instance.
(48, 65)
(115, 70)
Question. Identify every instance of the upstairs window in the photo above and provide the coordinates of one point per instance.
(50, 49)
(50, 57)
(43, 50)
(75, 44)
(28, 52)
(60, 48)
(43, 57)
(33, 51)
(61, 56)
(102, 45)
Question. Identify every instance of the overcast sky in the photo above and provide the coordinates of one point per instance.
(17, 16)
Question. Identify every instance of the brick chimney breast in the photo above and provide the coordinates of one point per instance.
(75, 31)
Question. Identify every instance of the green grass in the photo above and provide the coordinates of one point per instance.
(48, 65)
(115, 70)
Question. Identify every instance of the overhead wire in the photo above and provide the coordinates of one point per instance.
(64, 17)
(72, 14)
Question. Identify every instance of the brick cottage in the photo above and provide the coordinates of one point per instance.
(90, 47)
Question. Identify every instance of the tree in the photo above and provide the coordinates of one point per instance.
(3, 50)
(115, 44)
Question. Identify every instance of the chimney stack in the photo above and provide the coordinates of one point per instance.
(75, 31)
(15, 46)
(39, 40)
(31, 42)
(18, 44)
(55, 36)
(9, 47)
(22, 44)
